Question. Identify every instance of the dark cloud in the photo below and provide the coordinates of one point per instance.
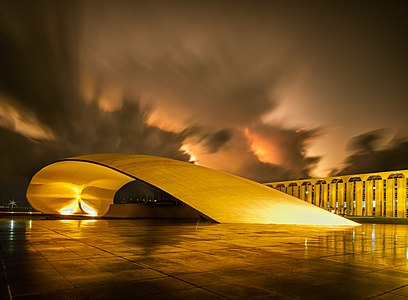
(196, 67)
(92, 131)
(289, 145)
(124, 130)
(370, 155)
(265, 172)
(40, 74)
(367, 142)
(20, 158)
(39, 57)
(212, 141)
(267, 153)
(200, 66)
(217, 140)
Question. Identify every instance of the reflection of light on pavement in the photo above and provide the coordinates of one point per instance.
(373, 239)
(295, 214)
(306, 250)
(66, 221)
(85, 222)
(89, 221)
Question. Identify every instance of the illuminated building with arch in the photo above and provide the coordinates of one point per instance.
(121, 185)
(380, 194)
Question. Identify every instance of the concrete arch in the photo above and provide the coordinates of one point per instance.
(87, 184)
(396, 175)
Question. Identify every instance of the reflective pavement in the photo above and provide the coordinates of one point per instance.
(141, 259)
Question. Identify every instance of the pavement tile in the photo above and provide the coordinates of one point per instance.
(162, 285)
(232, 290)
(402, 291)
(139, 274)
(193, 294)
(390, 296)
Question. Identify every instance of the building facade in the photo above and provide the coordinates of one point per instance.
(381, 194)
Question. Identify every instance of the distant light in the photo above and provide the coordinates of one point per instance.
(12, 203)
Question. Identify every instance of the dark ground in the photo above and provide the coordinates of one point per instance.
(142, 259)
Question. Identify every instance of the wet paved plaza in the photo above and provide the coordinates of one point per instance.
(140, 259)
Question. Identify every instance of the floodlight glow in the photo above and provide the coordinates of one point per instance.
(90, 211)
(66, 211)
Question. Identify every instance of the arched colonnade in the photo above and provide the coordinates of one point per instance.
(382, 194)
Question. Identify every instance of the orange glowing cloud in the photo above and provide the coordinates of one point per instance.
(186, 150)
(265, 150)
(22, 121)
(164, 112)
(161, 119)
(110, 99)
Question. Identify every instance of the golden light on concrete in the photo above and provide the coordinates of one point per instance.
(73, 187)
(378, 194)
(87, 185)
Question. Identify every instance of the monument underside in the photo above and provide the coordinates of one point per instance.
(86, 185)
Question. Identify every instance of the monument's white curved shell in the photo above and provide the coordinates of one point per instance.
(87, 185)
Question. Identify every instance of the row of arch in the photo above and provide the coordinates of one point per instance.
(382, 194)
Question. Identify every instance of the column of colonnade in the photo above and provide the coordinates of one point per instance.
(382, 194)
(402, 193)
(369, 184)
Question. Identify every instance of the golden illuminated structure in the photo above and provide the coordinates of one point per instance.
(86, 185)
(381, 194)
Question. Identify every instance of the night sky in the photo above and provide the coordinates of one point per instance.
(269, 90)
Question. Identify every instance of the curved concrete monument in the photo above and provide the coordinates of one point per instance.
(86, 185)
